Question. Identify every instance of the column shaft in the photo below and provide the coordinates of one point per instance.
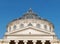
(25, 41)
(16, 41)
(43, 41)
(34, 41)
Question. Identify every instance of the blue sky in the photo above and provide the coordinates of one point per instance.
(12, 9)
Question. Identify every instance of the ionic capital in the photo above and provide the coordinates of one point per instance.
(16, 40)
(34, 41)
(25, 41)
(43, 41)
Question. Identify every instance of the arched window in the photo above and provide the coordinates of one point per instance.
(45, 26)
(29, 24)
(38, 25)
(21, 25)
(29, 17)
(50, 28)
(14, 27)
(9, 28)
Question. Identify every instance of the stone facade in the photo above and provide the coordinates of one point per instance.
(30, 29)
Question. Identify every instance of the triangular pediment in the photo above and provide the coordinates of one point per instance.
(30, 31)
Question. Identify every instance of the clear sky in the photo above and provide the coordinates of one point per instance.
(12, 9)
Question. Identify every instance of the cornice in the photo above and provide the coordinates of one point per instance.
(30, 27)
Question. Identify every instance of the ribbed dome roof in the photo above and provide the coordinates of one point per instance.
(30, 15)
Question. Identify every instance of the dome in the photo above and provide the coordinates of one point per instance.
(30, 19)
(30, 15)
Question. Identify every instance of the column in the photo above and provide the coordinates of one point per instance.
(16, 41)
(34, 41)
(25, 41)
(43, 41)
(51, 42)
(5, 41)
(8, 41)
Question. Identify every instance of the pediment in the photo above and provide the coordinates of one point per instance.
(30, 31)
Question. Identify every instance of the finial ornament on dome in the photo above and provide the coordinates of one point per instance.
(30, 10)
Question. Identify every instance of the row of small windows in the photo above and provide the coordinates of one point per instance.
(14, 27)
(22, 25)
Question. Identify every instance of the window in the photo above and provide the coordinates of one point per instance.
(14, 27)
(9, 28)
(50, 28)
(45, 26)
(38, 25)
(21, 25)
(29, 24)
(29, 17)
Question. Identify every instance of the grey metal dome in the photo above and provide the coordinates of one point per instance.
(30, 15)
